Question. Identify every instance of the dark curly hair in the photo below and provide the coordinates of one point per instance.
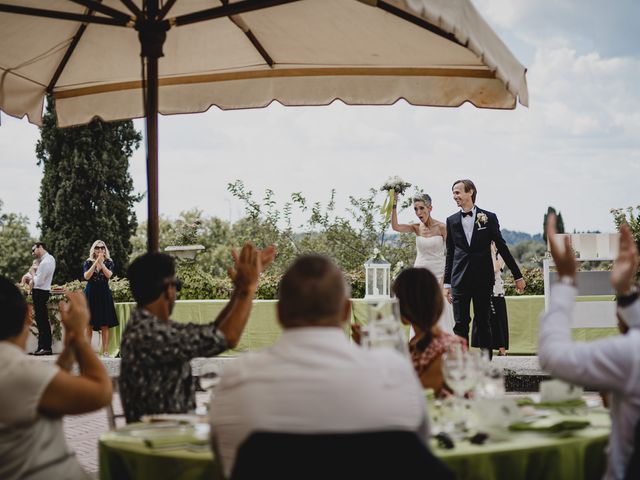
(421, 301)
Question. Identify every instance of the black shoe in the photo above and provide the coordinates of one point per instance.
(43, 351)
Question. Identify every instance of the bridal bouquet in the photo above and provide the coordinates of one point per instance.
(395, 184)
(392, 185)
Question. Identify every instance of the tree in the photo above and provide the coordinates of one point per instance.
(86, 191)
(348, 240)
(559, 223)
(15, 245)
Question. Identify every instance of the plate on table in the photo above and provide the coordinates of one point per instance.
(175, 418)
(168, 434)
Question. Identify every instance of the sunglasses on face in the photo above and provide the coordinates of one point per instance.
(177, 283)
(101, 248)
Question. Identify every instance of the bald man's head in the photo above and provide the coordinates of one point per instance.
(313, 292)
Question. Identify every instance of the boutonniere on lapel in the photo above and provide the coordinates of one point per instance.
(481, 220)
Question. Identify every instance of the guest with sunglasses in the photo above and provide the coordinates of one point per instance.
(98, 269)
(155, 370)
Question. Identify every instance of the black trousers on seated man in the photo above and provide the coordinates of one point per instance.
(40, 300)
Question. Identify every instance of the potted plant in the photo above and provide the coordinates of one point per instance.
(186, 235)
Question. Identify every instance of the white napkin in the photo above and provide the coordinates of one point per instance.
(556, 391)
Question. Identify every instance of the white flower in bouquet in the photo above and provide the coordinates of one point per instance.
(396, 184)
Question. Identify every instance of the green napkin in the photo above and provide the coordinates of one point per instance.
(578, 402)
(550, 425)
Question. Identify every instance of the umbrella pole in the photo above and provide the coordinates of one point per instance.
(153, 222)
(152, 33)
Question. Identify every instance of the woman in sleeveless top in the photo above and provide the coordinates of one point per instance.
(421, 301)
(431, 236)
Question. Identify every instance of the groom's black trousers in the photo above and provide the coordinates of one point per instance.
(481, 298)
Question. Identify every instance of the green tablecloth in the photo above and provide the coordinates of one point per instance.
(263, 328)
(525, 455)
(576, 455)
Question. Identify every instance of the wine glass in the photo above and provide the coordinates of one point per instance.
(461, 375)
(384, 328)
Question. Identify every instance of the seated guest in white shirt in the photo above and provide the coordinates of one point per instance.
(313, 380)
(610, 364)
(35, 394)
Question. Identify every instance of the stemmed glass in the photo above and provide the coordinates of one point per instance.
(384, 328)
(491, 378)
(460, 371)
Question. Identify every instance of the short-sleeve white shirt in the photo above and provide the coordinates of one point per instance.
(31, 445)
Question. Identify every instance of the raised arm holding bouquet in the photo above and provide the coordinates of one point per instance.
(393, 186)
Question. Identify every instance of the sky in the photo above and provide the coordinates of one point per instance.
(576, 148)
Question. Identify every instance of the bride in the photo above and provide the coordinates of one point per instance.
(431, 236)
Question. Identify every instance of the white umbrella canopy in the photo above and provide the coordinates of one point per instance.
(245, 54)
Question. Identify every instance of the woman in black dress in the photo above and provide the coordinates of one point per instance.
(498, 315)
(98, 269)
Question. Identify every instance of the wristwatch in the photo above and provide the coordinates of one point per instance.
(627, 298)
(567, 280)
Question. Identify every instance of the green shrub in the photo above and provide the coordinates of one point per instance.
(534, 282)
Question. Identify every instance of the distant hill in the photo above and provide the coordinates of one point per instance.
(513, 238)
(510, 236)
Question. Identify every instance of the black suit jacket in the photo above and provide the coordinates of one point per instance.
(470, 265)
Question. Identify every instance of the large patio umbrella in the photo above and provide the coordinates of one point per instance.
(136, 58)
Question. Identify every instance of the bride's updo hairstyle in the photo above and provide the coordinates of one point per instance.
(422, 197)
(421, 301)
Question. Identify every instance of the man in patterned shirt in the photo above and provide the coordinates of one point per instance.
(155, 373)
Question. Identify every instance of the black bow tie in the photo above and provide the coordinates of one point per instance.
(465, 214)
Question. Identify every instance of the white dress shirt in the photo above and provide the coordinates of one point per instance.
(467, 224)
(313, 380)
(610, 364)
(44, 274)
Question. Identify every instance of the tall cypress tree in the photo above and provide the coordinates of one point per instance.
(559, 223)
(86, 192)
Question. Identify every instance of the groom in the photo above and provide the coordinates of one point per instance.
(469, 274)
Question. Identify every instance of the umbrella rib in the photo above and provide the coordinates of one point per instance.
(164, 10)
(40, 12)
(132, 7)
(240, 23)
(67, 54)
(420, 22)
(97, 6)
(227, 10)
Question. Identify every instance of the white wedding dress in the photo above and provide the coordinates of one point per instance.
(430, 255)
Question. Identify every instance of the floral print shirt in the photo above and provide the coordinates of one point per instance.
(438, 346)
(155, 369)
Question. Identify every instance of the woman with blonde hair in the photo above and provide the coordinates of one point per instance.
(98, 269)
